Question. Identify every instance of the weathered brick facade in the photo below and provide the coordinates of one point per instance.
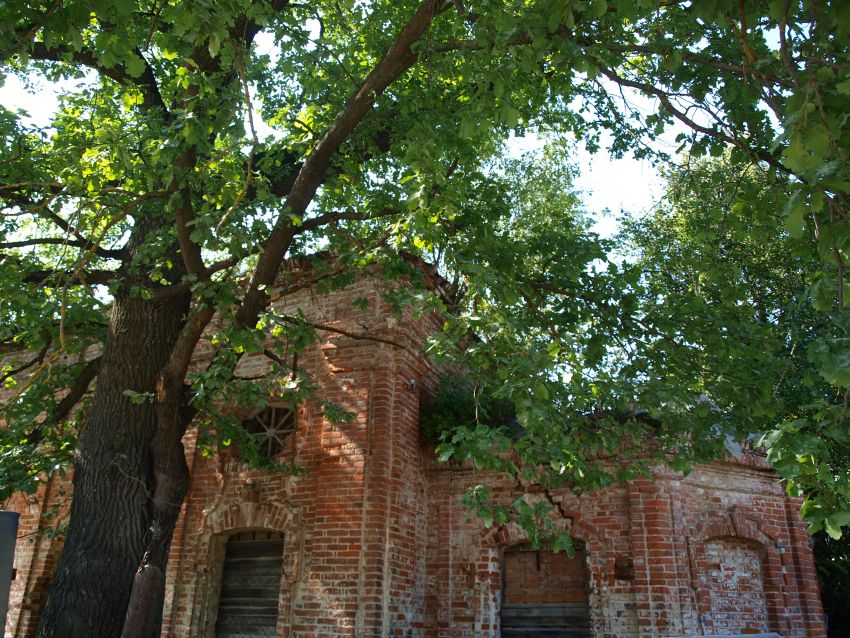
(377, 544)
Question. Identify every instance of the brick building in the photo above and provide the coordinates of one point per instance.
(371, 539)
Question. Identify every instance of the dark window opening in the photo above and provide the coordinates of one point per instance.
(250, 585)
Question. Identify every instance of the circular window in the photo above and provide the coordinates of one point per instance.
(271, 427)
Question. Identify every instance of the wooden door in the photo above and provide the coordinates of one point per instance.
(250, 585)
(544, 594)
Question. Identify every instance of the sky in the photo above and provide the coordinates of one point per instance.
(608, 186)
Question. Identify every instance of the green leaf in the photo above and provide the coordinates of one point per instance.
(123, 8)
(832, 528)
(134, 65)
(795, 211)
(673, 61)
(214, 44)
(840, 519)
(510, 116)
(541, 391)
(832, 358)
(817, 140)
(596, 9)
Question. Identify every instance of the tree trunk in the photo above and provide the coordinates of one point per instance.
(113, 508)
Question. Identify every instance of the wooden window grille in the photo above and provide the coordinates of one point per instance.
(271, 427)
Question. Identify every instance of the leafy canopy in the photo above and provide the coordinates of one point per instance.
(386, 124)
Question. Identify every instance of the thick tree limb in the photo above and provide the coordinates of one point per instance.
(151, 96)
(243, 30)
(184, 218)
(398, 59)
(282, 181)
(53, 186)
(181, 353)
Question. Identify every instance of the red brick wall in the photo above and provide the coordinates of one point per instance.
(376, 542)
(354, 522)
(36, 553)
(651, 552)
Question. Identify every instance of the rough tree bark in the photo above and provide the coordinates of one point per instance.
(130, 475)
(113, 475)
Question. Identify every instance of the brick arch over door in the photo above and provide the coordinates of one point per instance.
(494, 541)
(226, 519)
(742, 541)
(512, 534)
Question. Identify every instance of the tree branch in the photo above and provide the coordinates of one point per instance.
(38, 358)
(360, 336)
(282, 181)
(184, 217)
(146, 81)
(735, 69)
(62, 241)
(244, 30)
(41, 209)
(33, 27)
(668, 105)
(151, 94)
(82, 241)
(62, 409)
(334, 217)
(77, 390)
(398, 59)
(740, 71)
(269, 354)
(71, 277)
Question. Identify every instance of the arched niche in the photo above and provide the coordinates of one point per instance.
(527, 585)
(252, 525)
(738, 575)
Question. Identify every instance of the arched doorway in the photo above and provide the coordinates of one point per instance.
(544, 594)
(250, 585)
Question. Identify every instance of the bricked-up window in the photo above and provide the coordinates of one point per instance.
(271, 427)
(250, 585)
(544, 594)
(736, 586)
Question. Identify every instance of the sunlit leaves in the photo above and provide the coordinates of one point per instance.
(597, 355)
